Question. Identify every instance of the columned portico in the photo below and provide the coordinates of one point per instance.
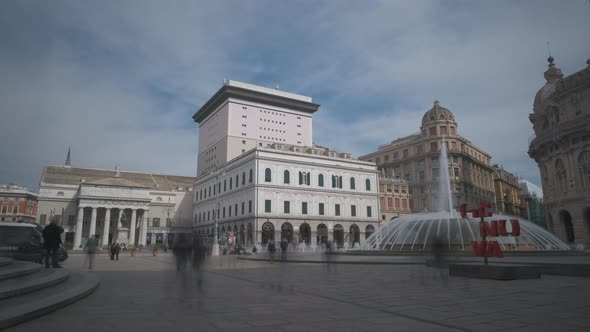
(78, 231)
(132, 227)
(92, 223)
(105, 230)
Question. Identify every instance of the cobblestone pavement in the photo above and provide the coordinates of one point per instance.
(146, 294)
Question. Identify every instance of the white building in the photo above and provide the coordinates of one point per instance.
(262, 179)
(126, 207)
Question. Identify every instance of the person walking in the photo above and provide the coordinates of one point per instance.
(91, 247)
(117, 251)
(284, 247)
(112, 251)
(271, 250)
(52, 240)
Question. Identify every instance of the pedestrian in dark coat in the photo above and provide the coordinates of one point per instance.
(284, 247)
(52, 240)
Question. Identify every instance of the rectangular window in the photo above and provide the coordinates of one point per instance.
(42, 218)
(456, 170)
(224, 212)
(443, 130)
(267, 205)
(156, 222)
(353, 210)
(14, 209)
(250, 206)
(71, 220)
(169, 221)
(4, 209)
(321, 209)
(432, 131)
(454, 145)
(243, 207)
(395, 155)
(229, 211)
(337, 209)
(386, 158)
(389, 203)
(452, 131)
(287, 207)
(404, 203)
(421, 175)
(397, 203)
(406, 153)
(236, 210)
(303, 207)
(369, 214)
(433, 146)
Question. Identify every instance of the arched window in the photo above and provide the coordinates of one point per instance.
(60, 193)
(368, 184)
(267, 175)
(352, 184)
(251, 176)
(321, 180)
(286, 177)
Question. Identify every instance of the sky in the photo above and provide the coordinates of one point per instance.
(118, 81)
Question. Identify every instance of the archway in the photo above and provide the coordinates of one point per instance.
(369, 230)
(355, 235)
(287, 232)
(305, 233)
(565, 219)
(322, 231)
(242, 237)
(249, 233)
(268, 233)
(338, 235)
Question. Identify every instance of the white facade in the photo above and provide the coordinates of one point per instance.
(129, 208)
(287, 204)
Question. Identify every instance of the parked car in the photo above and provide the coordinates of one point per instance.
(24, 242)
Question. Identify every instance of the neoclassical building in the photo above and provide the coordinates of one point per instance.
(17, 203)
(126, 207)
(415, 158)
(508, 193)
(261, 178)
(395, 197)
(561, 148)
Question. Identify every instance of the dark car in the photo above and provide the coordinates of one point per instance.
(24, 242)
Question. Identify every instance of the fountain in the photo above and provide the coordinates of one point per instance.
(418, 232)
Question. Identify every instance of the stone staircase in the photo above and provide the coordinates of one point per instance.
(28, 290)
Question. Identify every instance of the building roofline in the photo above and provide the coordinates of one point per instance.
(242, 91)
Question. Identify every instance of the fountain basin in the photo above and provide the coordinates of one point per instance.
(494, 271)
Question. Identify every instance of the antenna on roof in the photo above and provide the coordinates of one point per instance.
(549, 49)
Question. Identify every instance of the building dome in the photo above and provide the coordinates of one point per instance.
(437, 113)
(553, 76)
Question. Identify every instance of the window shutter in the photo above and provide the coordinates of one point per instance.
(308, 178)
(300, 177)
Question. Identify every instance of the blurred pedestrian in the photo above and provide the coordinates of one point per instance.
(91, 247)
(328, 254)
(182, 250)
(284, 247)
(117, 251)
(271, 250)
(112, 251)
(199, 255)
(52, 240)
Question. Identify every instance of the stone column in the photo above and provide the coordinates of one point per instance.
(92, 223)
(132, 227)
(78, 230)
(105, 229)
(143, 228)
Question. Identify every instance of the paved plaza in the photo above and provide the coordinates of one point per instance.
(145, 293)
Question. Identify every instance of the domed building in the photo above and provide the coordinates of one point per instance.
(561, 148)
(415, 158)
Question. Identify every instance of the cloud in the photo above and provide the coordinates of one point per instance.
(119, 82)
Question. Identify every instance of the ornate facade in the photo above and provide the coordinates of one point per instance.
(17, 203)
(561, 148)
(395, 197)
(416, 159)
(126, 207)
(508, 193)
